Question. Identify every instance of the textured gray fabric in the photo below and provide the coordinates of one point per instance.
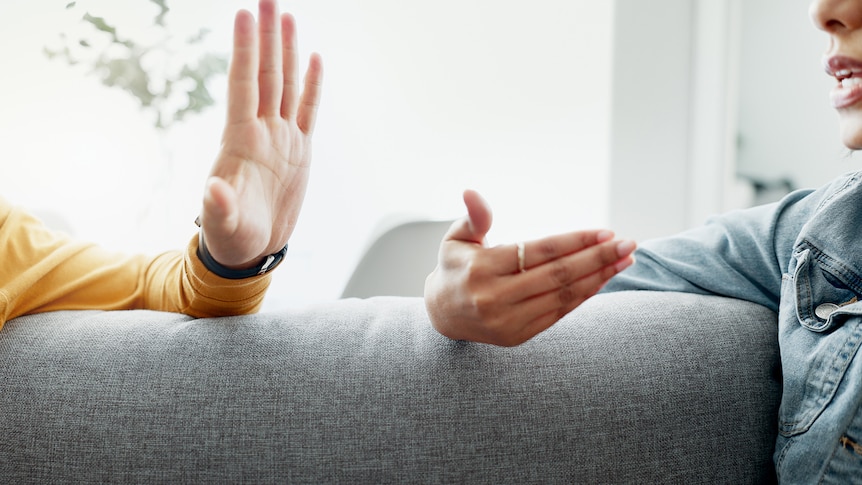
(630, 388)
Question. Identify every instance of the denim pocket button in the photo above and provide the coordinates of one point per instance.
(824, 310)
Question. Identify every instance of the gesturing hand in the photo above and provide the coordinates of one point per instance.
(256, 188)
(478, 293)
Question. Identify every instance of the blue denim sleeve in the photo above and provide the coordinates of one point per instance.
(741, 254)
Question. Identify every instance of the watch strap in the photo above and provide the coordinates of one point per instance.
(268, 264)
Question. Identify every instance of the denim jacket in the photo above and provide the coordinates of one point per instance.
(801, 257)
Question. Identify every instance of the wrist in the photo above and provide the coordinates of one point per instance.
(266, 264)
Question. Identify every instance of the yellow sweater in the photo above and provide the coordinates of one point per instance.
(41, 271)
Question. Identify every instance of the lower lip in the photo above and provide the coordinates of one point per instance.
(842, 97)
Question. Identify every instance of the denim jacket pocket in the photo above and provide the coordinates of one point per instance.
(820, 291)
(818, 339)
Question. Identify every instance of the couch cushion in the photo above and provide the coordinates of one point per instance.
(631, 387)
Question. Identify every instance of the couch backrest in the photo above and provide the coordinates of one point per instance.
(629, 388)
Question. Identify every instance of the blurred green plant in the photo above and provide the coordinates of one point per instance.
(141, 67)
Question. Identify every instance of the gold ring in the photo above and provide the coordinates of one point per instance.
(522, 257)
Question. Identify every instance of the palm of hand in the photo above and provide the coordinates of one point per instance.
(266, 167)
(253, 198)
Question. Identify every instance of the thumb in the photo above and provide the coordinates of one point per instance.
(476, 225)
(220, 214)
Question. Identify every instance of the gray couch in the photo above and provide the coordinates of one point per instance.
(630, 388)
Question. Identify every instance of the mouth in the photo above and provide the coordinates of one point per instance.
(848, 72)
(848, 78)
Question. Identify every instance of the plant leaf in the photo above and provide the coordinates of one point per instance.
(128, 75)
(160, 18)
(100, 24)
(199, 37)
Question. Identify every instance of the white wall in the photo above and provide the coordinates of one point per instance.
(673, 121)
(650, 117)
(787, 128)
(421, 100)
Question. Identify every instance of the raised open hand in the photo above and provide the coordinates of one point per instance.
(505, 295)
(255, 191)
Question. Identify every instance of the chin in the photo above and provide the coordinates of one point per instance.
(851, 132)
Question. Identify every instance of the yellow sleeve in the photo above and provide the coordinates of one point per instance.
(41, 270)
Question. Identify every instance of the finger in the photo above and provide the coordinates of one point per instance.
(476, 225)
(527, 319)
(289, 64)
(566, 298)
(479, 213)
(538, 326)
(606, 258)
(528, 323)
(573, 267)
(220, 216)
(533, 328)
(547, 309)
(541, 251)
(306, 116)
(271, 75)
(558, 302)
(545, 250)
(242, 78)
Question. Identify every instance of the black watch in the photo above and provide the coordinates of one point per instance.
(268, 264)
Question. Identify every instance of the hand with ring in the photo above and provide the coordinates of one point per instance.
(506, 295)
